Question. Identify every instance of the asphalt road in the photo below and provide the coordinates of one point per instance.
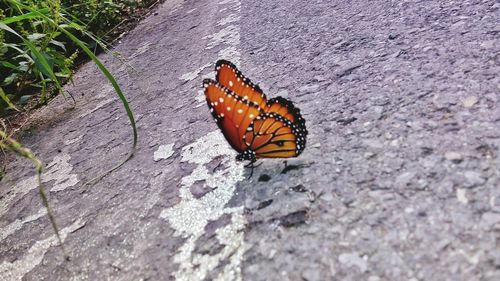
(399, 179)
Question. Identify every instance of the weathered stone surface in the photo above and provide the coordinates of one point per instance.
(399, 179)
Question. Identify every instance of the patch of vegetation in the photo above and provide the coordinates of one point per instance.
(36, 57)
(41, 44)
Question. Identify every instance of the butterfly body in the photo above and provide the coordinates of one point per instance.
(253, 125)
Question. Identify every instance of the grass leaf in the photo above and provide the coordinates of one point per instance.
(36, 36)
(59, 44)
(8, 143)
(26, 16)
(41, 60)
(106, 73)
(7, 100)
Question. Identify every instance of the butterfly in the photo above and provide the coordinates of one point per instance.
(253, 125)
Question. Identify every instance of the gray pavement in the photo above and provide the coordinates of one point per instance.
(399, 179)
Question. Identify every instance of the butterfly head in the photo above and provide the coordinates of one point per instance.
(246, 155)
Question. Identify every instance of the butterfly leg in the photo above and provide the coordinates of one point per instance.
(251, 173)
(252, 166)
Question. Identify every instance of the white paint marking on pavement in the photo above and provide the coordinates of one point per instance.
(462, 196)
(21, 189)
(98, 106)
(105, 91)
(229, 19)
(193, 74)
(141, 50)
(18, 224)
(224, 3)
(231, 51)
(163, 152)
(229, 35)
(14, 271)
(191, 215)
(59, 170)
(72, 141)
(353, 259)
(158, 184)
(232, 235)
(470, 257)
(174, 6)
(470, 101)
(200, 98)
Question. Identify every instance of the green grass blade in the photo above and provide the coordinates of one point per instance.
(106, 73)
(26, 16)
(120, 94)
(40, 58)
(7, 100)
(8, 143)
(19, 50)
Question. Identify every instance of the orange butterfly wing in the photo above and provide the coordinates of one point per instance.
(230, 77)
(254, 126)
(286, 109)
(232, 113)
(280, 132)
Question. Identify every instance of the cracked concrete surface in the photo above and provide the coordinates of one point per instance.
(399, 180)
